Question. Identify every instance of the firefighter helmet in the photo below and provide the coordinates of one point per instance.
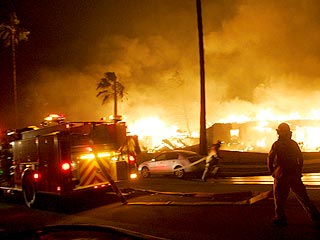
(283, 127)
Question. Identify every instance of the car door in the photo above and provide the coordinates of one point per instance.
(170, 162)
(156, 166)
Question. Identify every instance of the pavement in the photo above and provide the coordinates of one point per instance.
(221, 214)
(220, 211)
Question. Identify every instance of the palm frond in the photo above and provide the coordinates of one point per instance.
(107, 87)
(11, 31)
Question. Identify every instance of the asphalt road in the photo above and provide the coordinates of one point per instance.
(177, 209)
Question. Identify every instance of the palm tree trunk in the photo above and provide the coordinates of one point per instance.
(14, 76)
(115, 99)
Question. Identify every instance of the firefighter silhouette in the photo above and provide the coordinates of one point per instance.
(212, 161)
(285, 163)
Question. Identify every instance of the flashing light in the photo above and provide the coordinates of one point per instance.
(54, 116)
(89, 149)
(133, 176)
(115, 117)
(104, 154)
(131, 159)
(58, 188)
(65, 166)
(91, 155)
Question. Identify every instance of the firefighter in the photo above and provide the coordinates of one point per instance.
(212, 161)
(285, 163)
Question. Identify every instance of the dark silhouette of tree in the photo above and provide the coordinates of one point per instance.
(11, 34)
(109, 87)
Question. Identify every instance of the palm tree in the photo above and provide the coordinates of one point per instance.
(11, 34)
(109, 87)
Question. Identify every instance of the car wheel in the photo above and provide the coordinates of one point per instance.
(145, 172)
(179, 173)
(29, 191)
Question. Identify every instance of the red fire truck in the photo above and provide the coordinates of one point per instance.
(66, 158)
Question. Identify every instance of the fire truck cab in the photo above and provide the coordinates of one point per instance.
(67, 157)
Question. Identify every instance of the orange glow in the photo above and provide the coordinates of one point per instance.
(155, 134)
(261, 132)
(235, 118)
(152, 131)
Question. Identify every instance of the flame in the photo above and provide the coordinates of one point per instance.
(152, 130)
(246, 134)
(261, 133)
(235, 118)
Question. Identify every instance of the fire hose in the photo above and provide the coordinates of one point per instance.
(196, 162)
(192, 164)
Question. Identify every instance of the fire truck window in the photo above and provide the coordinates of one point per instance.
(103, 134)
(79, 139)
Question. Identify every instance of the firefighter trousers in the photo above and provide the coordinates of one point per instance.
(210, 169)
(281, 189)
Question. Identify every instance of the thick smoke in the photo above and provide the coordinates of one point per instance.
(259, 55)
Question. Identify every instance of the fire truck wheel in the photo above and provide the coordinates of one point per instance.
(179, 173)
(29, 191)
(145, 172)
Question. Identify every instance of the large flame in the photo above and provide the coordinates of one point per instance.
(257, 134)
(152, 130)
(244, 134)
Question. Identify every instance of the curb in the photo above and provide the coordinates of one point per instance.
(233, 198)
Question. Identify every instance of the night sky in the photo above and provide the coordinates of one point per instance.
(259, 55)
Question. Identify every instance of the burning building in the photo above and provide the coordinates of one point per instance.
(257, 136)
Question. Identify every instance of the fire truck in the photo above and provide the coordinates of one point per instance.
(67, 157)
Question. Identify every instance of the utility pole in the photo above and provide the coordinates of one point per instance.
(203, 148)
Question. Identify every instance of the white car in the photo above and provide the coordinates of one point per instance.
(174, 162)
